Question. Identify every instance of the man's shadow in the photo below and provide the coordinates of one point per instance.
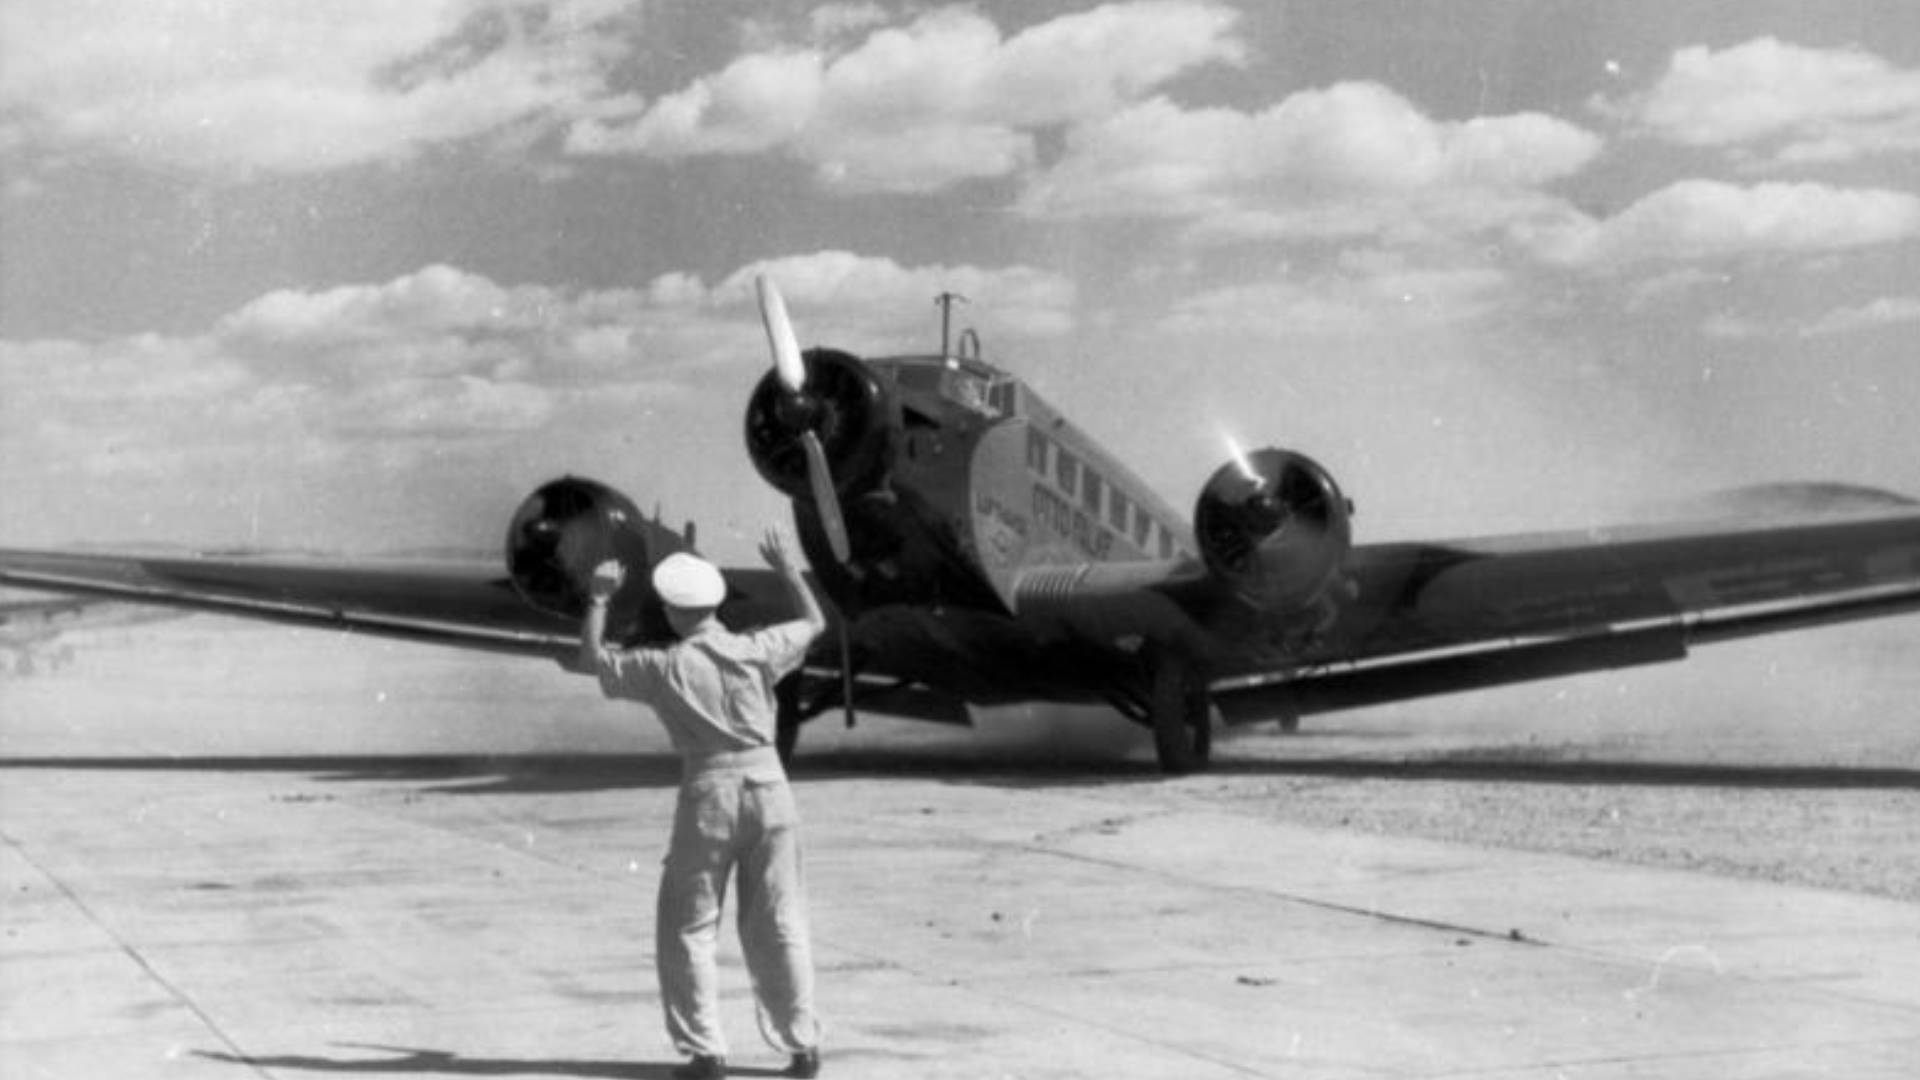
(402, 1060)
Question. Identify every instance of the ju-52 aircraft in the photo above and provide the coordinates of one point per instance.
(978, 548)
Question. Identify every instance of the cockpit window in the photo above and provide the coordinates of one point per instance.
(971, 391)
(973, 387)
(922, 377)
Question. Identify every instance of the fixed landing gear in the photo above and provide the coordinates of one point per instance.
(1181, 713)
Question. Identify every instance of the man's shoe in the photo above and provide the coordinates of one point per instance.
(805, 1064)
(702, 1067)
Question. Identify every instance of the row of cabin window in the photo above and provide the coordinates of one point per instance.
(1091, 489)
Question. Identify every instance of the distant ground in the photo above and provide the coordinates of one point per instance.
(1792, 758)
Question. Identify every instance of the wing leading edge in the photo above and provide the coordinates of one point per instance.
(1444, 617)
(466, 604)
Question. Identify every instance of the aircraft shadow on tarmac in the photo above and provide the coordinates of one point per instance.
(448, 1063)
(548, 774)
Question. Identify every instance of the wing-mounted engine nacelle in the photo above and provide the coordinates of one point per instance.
(568, 527)
(1275, 527)
(845, 404)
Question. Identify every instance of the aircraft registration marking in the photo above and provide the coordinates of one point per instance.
(1069, 522)
(1007, 529)
(1074, 500)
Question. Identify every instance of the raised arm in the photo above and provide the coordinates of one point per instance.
(779, 555)
(593, 626)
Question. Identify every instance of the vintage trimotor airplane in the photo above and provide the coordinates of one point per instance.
(978, 548)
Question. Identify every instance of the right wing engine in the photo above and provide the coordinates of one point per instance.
(1275, 528)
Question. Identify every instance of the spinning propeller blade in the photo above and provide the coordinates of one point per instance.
(825, 499)
(792, 373)
(780, 337)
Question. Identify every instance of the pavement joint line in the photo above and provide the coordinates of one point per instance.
(1035, 846)
(1512, 937)
(132, 953)
(979, 984)
(980, 988)
(443, 829)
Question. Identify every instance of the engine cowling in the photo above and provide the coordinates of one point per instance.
(845, 404)
(568, 527)
(1276, 528)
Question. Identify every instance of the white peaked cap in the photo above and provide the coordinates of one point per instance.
(688, 581)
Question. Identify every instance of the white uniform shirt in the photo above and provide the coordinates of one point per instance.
(714, 690)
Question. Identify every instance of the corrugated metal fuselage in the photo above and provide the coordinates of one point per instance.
(989, 488)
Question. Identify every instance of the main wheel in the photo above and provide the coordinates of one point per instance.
(1182, 717)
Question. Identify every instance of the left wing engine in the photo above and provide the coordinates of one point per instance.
(1275, 527)
(568, 527)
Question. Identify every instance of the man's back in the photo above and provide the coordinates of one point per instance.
(714, 689)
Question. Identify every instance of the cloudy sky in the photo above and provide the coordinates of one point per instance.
(356, 275)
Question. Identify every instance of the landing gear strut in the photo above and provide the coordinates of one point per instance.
(1182, 716)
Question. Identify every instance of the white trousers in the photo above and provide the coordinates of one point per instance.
(724, 822)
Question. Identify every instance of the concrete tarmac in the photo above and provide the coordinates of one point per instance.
(239, 905)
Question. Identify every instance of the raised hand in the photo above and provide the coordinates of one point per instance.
(607, 579)
(777, 550)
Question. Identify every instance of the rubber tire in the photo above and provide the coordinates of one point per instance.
(1182, 718)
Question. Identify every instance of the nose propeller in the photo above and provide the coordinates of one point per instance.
(780, 337)
(791, 371)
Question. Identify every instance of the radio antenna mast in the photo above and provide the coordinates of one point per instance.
(945, 301)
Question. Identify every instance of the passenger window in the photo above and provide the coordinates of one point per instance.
(1066, 470)
(1090, 491)
(1036, 452)
(1117, 506)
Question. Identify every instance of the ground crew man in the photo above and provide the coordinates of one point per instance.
(713, 690)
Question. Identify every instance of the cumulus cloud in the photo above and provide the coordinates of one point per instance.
(863, 303)
(1707, 220)
(379, 396)
(943, 99)
(755, 104)
(1349, 160)
(880, 302)
(1884, 312)
(438, 320)
(1781, 103)
(451, 354)
(281, 86)
(832, 22)
(1731, 327)
(1365, 293)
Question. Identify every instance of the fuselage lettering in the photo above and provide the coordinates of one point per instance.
(1063, 519)
(990, 506)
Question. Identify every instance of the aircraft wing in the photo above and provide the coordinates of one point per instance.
(1433, 618)
(469, 604)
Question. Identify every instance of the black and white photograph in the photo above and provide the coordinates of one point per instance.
(628, 539)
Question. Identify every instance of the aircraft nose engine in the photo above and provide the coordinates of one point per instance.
(843, 404)
(1275, 526)
(565, 529)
